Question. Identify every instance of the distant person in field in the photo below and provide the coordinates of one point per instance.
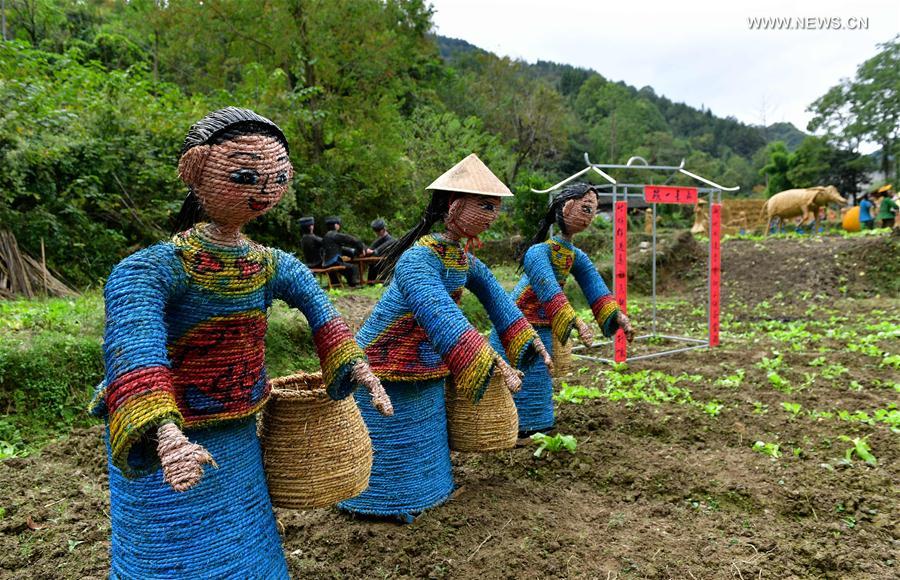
(866, 213)
(310, 243)
(887, 211)
(378, 247)
(382, 241)
(336, 244)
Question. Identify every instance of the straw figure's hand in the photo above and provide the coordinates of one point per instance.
(625, 325)
(511, 377)
(182, 461)
(584, 331)
(362, 375)
(542, 351)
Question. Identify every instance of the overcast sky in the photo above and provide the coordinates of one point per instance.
(700, 52)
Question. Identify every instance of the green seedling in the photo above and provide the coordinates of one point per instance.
(793, 408)
(779, 382)
(760, 408)
(860, 448)
(834, 371)
(577, 394)
(770, 449)
(732, 381)
(771, 364)
(818, 362)
(889, 416)
(553, 444)
(820, 414)
(713, 408)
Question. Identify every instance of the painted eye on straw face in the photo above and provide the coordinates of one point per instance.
(245, 176)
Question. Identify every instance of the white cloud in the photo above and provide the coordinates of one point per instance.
(700, 52)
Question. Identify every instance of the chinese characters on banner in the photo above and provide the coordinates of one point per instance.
(715, 272)
(665, 194)
(621, 261)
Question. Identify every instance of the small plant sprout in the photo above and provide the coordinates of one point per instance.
(713, 408)
(553, 444)
(779, 382)
(770, 449)
(760, 408)
(793, 408)
(771, 364)
(577, 394)
(834, 371)
(731, 381)
(817, 362)
(860, 448)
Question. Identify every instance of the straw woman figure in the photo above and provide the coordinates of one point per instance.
(417, 337)
(185, 366)
(547, 264)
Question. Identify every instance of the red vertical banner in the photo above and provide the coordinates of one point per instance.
(621, 261)
(715, 271)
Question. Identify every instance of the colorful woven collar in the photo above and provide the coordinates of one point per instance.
(224, 269)
(449, 251)
(562, 242)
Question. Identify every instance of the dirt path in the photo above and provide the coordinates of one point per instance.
(666, 490)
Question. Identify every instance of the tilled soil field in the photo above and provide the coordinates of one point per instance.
(727, 463)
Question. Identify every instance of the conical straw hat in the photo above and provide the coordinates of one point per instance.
(471, 176)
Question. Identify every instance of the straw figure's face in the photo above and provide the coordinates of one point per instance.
(579, 213)
(239, 179)
(470, 215)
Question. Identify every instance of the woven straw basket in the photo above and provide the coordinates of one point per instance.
(316, 451)
(562, 358)
(491, 425)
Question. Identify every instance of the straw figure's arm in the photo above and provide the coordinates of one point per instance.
(344, 366)
(139, 398)
(466, 353)
(603, 303)
(520, 341)
(550, 294)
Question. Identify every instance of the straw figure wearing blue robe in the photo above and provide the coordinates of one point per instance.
(417, 337)
(546, 265)
(184, 348)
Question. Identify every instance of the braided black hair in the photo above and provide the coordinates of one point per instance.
(435, 212)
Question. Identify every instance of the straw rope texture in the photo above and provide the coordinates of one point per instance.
(185, 343)
(491, 425)
(539, 293)
(222, 528)
(411, 471)
(316, 450)
(562, 358)
(185, 337)
(417, 331)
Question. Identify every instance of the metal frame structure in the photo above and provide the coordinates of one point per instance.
(712, 190)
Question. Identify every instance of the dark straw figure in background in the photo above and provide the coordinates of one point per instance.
(547, 264)
(417, 337)
(310, 243)
(185, 366)
(379, 247)
(336, 245)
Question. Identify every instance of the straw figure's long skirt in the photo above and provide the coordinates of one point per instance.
(411, 469)
(222, 528)
(534, 401)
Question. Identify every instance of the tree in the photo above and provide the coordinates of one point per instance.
(866, 108)
(777, 167)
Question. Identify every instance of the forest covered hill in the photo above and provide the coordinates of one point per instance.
(98, 94)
